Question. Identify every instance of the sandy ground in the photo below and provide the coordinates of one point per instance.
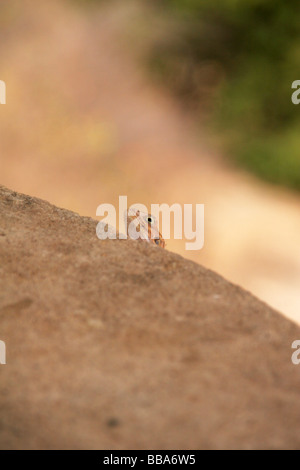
(83, 125)
(123, 345)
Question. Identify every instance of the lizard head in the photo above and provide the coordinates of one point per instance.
(146, 224)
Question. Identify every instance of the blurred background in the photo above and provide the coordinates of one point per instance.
(165, 101)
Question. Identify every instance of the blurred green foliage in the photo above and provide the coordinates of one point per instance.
(244, 54)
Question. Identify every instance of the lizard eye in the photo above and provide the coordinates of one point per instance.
(150, 220)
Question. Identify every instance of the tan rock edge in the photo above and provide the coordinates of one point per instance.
(122, 345)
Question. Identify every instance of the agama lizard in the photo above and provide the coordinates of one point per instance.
(144, 223)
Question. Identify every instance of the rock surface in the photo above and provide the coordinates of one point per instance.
(121, 345)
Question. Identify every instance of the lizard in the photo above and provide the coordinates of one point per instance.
(144, 223)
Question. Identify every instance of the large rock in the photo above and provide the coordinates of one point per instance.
(123, 345)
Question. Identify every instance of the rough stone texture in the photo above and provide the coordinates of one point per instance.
(122, 345)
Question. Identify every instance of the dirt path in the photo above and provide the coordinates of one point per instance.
(82, 125)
